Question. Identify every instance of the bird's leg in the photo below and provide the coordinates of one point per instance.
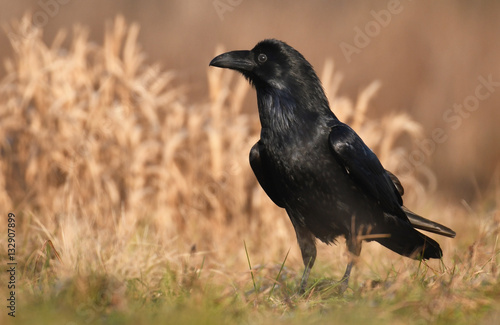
(307, 244)
(354, 247)
(345, 278)
(305, 276)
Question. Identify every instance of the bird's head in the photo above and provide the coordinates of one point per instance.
(271, 63)
(288, 89)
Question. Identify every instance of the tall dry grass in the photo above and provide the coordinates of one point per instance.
(106, 156)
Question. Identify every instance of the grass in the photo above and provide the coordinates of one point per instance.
(136, 205)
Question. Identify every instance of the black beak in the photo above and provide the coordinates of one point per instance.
(237, 60)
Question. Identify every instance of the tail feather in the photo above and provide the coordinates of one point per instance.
(428, 225)
(416, 220)
(405, 240)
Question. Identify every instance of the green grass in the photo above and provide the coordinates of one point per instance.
(416, 294)
(207, 304)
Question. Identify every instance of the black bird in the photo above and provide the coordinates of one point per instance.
(318, 169)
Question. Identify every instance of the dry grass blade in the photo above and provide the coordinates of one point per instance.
(98, 137)
(104, 155)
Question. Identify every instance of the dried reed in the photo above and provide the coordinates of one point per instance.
(105, 157)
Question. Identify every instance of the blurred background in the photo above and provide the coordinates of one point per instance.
(125, 157)
(436, 61)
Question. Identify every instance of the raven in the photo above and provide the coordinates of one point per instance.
(318, 169)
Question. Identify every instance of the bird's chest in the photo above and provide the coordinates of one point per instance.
(298, 164)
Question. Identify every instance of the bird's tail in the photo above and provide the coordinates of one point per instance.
(428, 225)
(403, 239)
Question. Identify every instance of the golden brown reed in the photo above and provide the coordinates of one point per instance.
(106, 157)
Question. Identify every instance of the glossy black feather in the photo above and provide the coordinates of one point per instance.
(318, 168)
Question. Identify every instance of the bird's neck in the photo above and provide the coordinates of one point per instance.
(283, 114)
(276, 109)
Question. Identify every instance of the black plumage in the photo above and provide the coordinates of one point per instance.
(317, 168)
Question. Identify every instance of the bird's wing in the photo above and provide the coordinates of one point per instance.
(258, 164)
(365, 169)
(396, 182)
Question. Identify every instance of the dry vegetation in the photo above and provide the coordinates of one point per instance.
(129, 195)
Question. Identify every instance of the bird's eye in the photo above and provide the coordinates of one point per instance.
(262, 58)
